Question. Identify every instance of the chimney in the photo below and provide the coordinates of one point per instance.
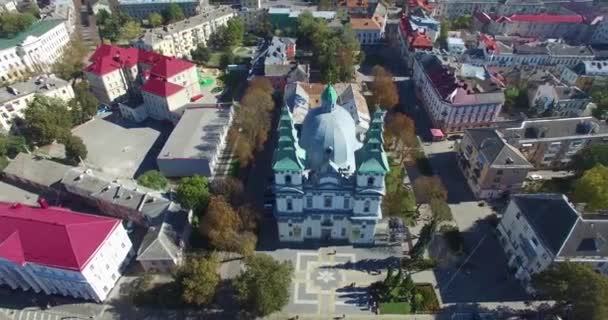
(43, 203)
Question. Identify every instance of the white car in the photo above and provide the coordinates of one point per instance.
(535, 177)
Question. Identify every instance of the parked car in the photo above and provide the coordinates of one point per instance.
(535, 177)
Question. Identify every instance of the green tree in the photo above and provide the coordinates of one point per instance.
(32, 8)
(589, 157)
(227, 59)
(46, 120)
(264, 286)
(428, 188)
(226, 229)
(153, 179)
(174, 13)
(577, 284)
(193, 193)
(198, 279)
(13, 22)
(462, 22)
(441, 210)
(592, 188)
(235, 31)
(84, 105)
(70, 64)
(201, 54)
(130, 30)
(155, 19)
(383, 88)
(75, 150)
(324, 5)
(11, 145)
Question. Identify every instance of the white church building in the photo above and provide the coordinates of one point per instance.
(329, 183)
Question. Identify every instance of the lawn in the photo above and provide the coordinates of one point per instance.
(394, 308)
(429, 302)
(214, 59)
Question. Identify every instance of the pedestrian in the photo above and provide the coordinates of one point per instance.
(343, 316)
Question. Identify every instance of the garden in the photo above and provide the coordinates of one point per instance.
(398, 294)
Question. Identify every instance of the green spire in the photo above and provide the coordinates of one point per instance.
(329, 98)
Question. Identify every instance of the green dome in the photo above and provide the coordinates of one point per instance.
(329, 96)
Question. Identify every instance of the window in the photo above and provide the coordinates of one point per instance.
(287, 179)
(370, 181)
(343, 232)
(498, 172)
(289, 204)
(113, 276)
(309, 202)
(309, 231)
(107, 267)
(545, 256)
(346, 202)
(327, 202)
(366, 206)
(518, 215)
(105, 289)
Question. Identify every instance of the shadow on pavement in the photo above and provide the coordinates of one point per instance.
(445, 166)
(358, 296)
(368, 265)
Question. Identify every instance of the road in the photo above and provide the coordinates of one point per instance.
(86, 27)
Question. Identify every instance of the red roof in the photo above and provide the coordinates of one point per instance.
(169, 67)
(489, 42)
(51, 236)
(160, 87)
(547, 18)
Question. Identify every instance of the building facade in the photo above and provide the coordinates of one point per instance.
(34, 50)
(491, 166)
(586, 74)
(540, 26)
(57, 251)
(141, 9)
(15, 98)
(537, 230)
(457, 96)
(369, 31)
(559, 100)
(328, 185)
(276, 62)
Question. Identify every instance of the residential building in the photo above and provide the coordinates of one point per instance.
(455, 45)
(301, 97)
(558, 100)
(599, 33)
(283, 17)
(180, 38)
(540, 26)
(34, 50)
(550, 143)
(412, 41)
(451, 9)
(275, 61)
(369, 31)
(586, 74)
(328, 183)
(15, 97)
(145, 83)
(457, 96)
(60, 10)
(8, 6)
(252, 4)
(538, 230)
(141, 9)
(355, 8)
(492, 167)
(57, 251)
(37, 175)
(196, 143)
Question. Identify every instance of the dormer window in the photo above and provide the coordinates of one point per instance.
(370, 181)
(287, 179)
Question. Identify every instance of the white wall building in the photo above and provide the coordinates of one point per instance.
(57, 251)
(34, 50)
(369, 31)
(180, 38)
(329, 186)
(15, 98)
(537, 230)
(8, 5)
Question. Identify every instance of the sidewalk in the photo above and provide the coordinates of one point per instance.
(284, 316)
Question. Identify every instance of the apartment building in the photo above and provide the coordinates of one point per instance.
(141, 9)
(551, 143)
(15, 97)
(586, 74)
(551, 99)
(537, 230)
(145, 83)
(61, 252)
(413, 38)
(369, 31)
(180, 38)
(492, 167)
(455, 95)
(276, 62)
(8, 5)
(450, 9)
(33, 51)
(540, 26)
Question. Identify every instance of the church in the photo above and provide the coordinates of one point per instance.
(329, 180)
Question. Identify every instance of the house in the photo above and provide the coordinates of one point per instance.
(549, 143)
(15, 97)
(144, 83)
(329, 184)
(412, 40)
(537, 230)
(196, 143)
(179, 39)
(61, 252)
(36, 174)
(492, 167)
(141, 9)
(8, 6)
(275, 61)
(456, 95)
(369, 31)
(301, 97)
(33, 50)
(586, 74)
(559, 100)
(456, 46)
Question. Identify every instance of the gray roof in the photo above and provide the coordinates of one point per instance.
(165, 240)
(591, 68)
(530, 49)
(550, 215)
(10, 193)
(36, 85)
(495, 149)
(589, 238)
(562, 49)
(36, 169)
(556, 128)
(197, 134)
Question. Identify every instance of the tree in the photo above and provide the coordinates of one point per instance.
(264, 286)
(155, 19)
(227, 59)
(198, 279)
(46, 120)
(75, 150)
(225, 228)
(428, 188)
(577, 284)
(130, 30)
(231, 188)
(263, 84)
(70, 64)
(592, 188)
(201, 54)
(589, 157)
(441, 210)
(153, 179)
(383, 88)
(84, 105)
(174, 13)
(193, 193)
(324, 5)
(32, 8)
(11, 145)
(12, 23)
(400, 135)
(234, 32)
(462, 22)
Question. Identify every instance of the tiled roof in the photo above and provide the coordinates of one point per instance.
(161, 87)
(169, 67)
(374, 23)
(546, 18)
(51, 236)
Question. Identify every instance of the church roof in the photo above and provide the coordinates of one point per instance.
(286, 156)
(372, 158)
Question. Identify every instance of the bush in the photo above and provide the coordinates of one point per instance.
(394, 308)
(153, 179)
(428, 301)
(454, 239)
(418, 264)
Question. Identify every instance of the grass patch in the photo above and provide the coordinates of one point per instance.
(555, 185)
(394, 308)
(427, 299)
(3, 163)
(214, 59)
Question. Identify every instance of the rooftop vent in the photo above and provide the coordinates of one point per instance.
(509, 161)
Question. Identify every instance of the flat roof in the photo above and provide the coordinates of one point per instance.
(197, 134)
(11, 193)
(37, 85)
(36, 169)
